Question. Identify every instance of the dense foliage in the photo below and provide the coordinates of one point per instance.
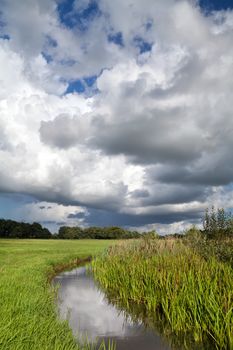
(14, 229)
(216, 238)
(112, 232)
(167, 283)
(217, 223)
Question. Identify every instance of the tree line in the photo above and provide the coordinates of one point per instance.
(112, 232)
(14, 229)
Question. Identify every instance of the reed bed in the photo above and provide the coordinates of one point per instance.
(194, 295)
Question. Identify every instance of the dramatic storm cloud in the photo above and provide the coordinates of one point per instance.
(115, 112)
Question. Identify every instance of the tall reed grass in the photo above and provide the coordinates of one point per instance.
(192, 294)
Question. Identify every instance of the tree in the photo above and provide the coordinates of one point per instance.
(217, 223)
(66, 232)
(14, 229)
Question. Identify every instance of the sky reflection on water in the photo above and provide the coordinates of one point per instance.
(90, 315)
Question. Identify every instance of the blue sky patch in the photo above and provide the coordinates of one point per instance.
(90, 81)
(80, 85)
(64, 9)
(79, 19)
(75, 86)
(47, 57)
(5, 37)
(142, 45)
(216, 5)
(116, 38)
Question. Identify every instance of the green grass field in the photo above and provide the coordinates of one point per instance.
(28, 316)
(191, 296)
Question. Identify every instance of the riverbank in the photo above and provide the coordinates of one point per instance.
(29, 317)
(169, 284)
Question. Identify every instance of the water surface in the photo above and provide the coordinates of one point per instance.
(90, 315)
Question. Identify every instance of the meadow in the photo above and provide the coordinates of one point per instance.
(28, 315)
(181, 287)
(185, 291)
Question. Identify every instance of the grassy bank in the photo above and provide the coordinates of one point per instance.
(27, 307)
(193, 295)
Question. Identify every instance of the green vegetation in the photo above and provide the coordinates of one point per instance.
(170, 283)
(220, 249)
(112, 232)
(29, 318)
(217, 223)
(182, 285)
(216, 238)
(14, 229)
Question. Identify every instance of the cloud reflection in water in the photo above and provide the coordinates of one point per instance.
(90, 316)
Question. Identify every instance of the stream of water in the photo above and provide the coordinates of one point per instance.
(92, 317)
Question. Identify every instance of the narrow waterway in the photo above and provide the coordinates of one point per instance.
(91, 316)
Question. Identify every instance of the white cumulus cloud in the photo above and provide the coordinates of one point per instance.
(151, 143)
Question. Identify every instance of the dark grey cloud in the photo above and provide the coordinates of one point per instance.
(141, 193)
(63, 196)
(44, 207)
(110, 218)
(153, 137)
(76, 216)
(8, 184)
(174, 194)
(214, 171)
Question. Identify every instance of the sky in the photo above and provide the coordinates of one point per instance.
(115, 112)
